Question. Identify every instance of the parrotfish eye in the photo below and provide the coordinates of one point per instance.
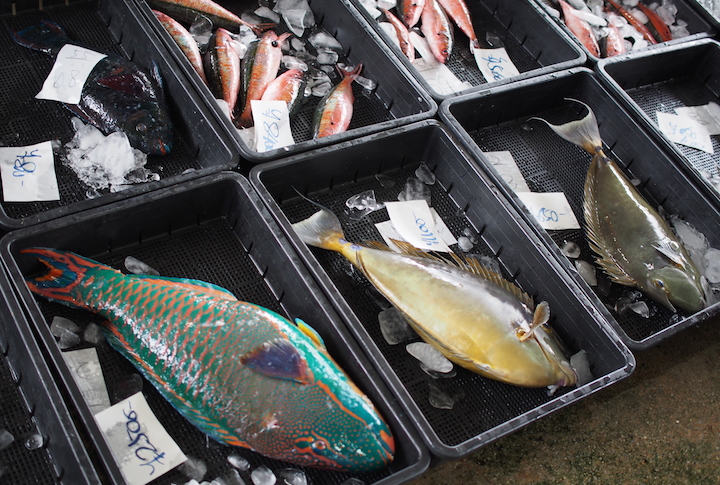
(141, 127)
(319, 445)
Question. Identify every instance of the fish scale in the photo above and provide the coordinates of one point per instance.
(239, 372)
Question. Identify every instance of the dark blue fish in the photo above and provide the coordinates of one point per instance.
(118, 95)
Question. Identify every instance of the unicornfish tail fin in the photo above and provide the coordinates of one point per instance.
(65, 271)
(583, 132)
(321, 230)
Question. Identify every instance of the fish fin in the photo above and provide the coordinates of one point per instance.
(540, 317)
(410, 250)
(65, 271)
(188, 284)
(322, 229)
(122, 81)
(671, 251)
(278, 359)
(583, 132)
(311, 333)
(377, 245)
(476, 267)
(47, 37)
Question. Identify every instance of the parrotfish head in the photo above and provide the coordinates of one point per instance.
(675, 287)
(149, 129)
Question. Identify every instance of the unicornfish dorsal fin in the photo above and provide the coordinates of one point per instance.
(583, 132)
(540, 317)
(278, 359)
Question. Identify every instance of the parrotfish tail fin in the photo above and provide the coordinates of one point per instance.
(65, 271)
(583, 132)
(47, 37)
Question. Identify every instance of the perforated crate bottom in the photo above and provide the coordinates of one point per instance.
(28, 121)
(550, 164)
(208, 252)
(482, 403)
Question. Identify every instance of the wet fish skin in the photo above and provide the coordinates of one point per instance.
(189, 10)
(635, 245)
(580, 29)
(438, 30)
(410, 11)
(639, 26)
(288, 87)
(118, 95)
(661, 31)
(239, 372)
(469, 313)
(458, 11)
(185, 41)
(614, 43)
(334, 111)
(403, 34)
(259, 67)
(222, 65)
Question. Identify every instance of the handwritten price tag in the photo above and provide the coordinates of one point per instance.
(69, 73)
(706, 115)
(495, 64)
(388, 232)
(685, 131)
(28, 173)
(415, 223)
(86, 370)
(272, 125)
(550, 209)
(506, 167)
(437, 75)
(139, 443)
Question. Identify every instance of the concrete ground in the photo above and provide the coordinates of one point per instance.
(660, 425)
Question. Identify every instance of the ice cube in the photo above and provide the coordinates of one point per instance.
(587, 271)
(385, 180)
(128, 386)
(470, 233)
(6, 438)
(464, 244)
(238, 462)
(86, 137)
(353, 481)
(394, 327)
(712, 265)
(68, 339)
(424, 173)
(266, 13)
(136, 266)
(232, 477)
(630, 3)
(33, 441)
(581, 364)
(321, 39)
(641, 308)
(429, 356)
(622, 305)
(441, 399)
(194, 468)
(679, 31)
(364, 202)
(292, 62)
(436, 374)
(201, 31)
(327, 57)
(415, 189)
(291, 476)
(494, 40)
(603, 285)
(640, 16)
(61, 323)
(369, 86)
(571, 249)
(93, 334)
(262, 475)
(386, 4)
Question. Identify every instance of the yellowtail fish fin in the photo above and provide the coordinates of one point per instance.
(278, 359)
(540, 317)
(321, 230)
(310, 333)
(583, 132)
(188, 284)
(670, 250)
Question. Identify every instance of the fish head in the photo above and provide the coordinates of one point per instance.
(149, 129)
(675, 286)
(556, 354)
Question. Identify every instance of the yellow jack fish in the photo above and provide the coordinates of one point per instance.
(471, 314)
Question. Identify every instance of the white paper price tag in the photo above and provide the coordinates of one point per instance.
(685, 131)
(703, 115)
(69, 73)
(86, 370)
(495, 64)
(139, 443)
(415, 223)
(551, 209)
(28, 173)
(272, 125)
(437, 75)
(506, 167)
(388, 232)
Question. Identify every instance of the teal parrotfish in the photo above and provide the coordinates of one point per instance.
(241, 373)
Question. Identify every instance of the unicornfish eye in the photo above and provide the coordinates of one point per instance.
(141, 127)
(660, 284)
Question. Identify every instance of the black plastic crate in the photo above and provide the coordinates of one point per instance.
(698, 24)
(681, 75)
(533, 42)
(464, 199)
(398, 99)
(199, 144)
(215, 229)
(499, 121)
(709, 11)
(31, 404)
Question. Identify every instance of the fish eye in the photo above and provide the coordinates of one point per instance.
(660, 284)
(141, 127)
(319, 445)
(274, 43)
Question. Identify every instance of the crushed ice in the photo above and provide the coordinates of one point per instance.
(440, 398)
(262, 475)
(428, 355)
(415, 189)
(363, 203)
(587, 271)
(571, 249)
(394, 327)
(135, 266)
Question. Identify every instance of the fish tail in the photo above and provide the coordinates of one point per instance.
(322, 230)
(65, 271)
(47, 37)
(583, 132)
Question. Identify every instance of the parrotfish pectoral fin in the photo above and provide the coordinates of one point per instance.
(322, 229)
(66, 270)
(311, 333)
(583, 133)
(189, 284)
(278, 359)
(47, 37)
